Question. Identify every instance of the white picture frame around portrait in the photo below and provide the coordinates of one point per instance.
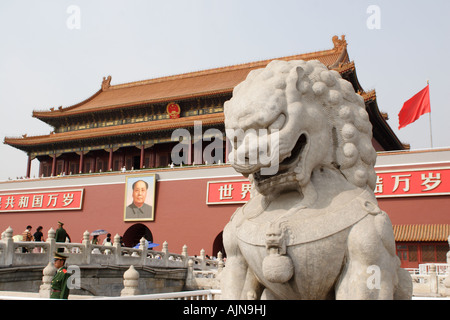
(135, 207)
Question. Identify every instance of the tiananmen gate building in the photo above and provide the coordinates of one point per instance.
(123, 134)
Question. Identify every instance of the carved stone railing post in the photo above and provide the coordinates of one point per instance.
(48, 273)
(87, 248)
(184, 253)
(190, 278)
(220, 264)
(202, 254)
(433, 279)
(9, 249)
(51, 244)
(130, 282)
(165, 251)
(118, 246)
(144, 249)
(203, 259)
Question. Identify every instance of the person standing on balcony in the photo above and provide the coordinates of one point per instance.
(26, 236)
(38, 236)
(61, 235)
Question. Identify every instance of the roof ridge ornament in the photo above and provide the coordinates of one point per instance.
(106, 83)
(339, 43)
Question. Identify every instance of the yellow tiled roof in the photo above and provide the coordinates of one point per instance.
(184, 86)
(421, 232)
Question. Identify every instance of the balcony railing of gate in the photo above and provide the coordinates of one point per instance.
(26, 253)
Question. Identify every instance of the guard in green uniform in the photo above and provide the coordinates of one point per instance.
(61, 235)
(59, 289)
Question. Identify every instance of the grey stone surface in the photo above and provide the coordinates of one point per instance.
(95, 280)
(312, 230)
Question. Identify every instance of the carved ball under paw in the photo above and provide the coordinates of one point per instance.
(277, 268)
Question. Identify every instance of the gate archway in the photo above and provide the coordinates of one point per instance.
(218, 245)
(133, 235)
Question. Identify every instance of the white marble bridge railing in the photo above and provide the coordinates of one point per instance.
(31, 253)
(431, 280)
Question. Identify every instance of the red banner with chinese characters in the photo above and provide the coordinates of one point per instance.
(406, 183)
(222, 192)
(41, 201)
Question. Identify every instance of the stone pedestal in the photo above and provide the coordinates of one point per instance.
(130, 282)
(48, 273)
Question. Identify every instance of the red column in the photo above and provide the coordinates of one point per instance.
(54, 165)
(110, 159)
(66, 166)
(142, 156)
(81, 162)
(152, 157)
(29, 166)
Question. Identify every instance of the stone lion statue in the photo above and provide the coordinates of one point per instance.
(313, 229)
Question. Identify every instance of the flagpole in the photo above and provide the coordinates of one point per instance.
(429, 117)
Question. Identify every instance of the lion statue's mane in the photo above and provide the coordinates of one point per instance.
(288, 85)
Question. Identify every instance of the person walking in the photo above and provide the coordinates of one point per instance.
(61, 235)
(107, 242)
(38, 236)
(95, 239)
(107, 239)
(26, 236)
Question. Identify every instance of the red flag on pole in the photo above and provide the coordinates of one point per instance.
(412, 109)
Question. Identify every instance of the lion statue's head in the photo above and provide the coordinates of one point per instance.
(318, 119)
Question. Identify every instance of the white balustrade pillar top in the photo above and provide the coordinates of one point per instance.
(8, 234)
(184, 251)
(51, 234)
(86, 235)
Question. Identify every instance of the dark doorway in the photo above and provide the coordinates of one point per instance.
(218, 246)
(136, 162)
(133, 235)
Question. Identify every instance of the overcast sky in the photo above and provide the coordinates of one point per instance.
(55, 53)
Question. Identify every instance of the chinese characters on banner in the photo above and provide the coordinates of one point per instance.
(389, 184)
(41, 201)
(237, 191)
(413, 183)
